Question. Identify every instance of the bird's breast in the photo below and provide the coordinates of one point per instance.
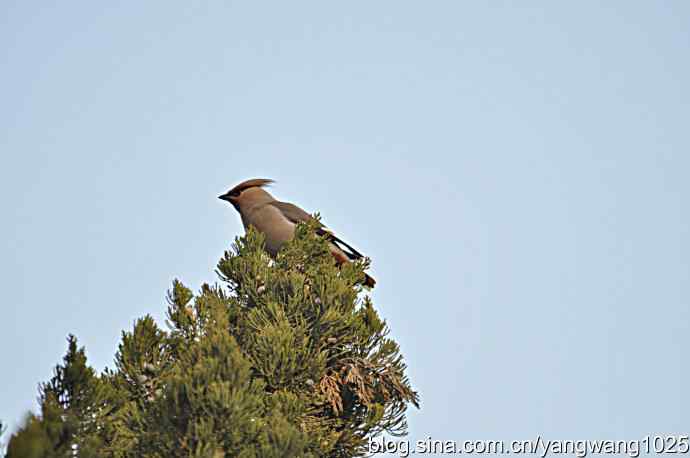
(270, 221)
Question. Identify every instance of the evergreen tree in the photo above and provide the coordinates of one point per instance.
(2, 431)
(69, 409)
(285, 358)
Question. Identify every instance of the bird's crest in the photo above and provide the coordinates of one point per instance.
(253, 183)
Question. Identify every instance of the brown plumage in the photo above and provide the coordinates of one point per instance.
(277, 220)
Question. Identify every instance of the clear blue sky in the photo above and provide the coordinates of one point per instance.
(519, 176)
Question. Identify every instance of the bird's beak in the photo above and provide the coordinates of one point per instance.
(225, 197)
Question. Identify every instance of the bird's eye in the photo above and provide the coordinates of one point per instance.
(235, 193)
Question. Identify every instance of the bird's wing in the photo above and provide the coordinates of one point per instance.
(297, 215)
(292, 212)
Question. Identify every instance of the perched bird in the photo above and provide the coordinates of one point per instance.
(277, 220)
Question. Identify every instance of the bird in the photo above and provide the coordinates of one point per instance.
(277, 221)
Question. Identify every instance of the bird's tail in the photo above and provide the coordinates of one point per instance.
(369, 281)
(342, 258)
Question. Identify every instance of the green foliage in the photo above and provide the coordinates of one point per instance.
(71, 407)
(2, 445)
(284, 359)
